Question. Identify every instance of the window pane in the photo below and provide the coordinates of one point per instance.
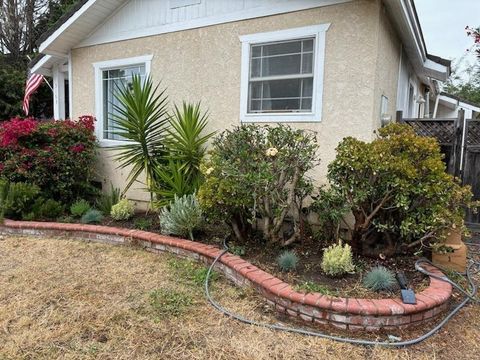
(256, 70)
(256, 90)
(281, 88)
(307, 64)
(256, 51)
(281, 105)
(255, 105)
(307, 104)
(308, 45)
(282, 48)
(113, 80)
(281, 65)
(307, 87)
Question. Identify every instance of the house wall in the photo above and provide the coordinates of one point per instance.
(204, 65)
(387, 68)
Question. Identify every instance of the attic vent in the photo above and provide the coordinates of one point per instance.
(181, 3)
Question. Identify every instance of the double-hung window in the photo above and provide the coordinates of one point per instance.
(282, 75)
(110, 76)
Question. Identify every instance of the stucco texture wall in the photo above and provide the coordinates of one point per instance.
(204, 65)
(387, 67)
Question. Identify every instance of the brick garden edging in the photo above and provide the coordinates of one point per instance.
(345, 313)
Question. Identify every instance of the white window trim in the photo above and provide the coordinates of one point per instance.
(108, 65)
(318, 31)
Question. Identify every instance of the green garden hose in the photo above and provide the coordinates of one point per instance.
(473, 267)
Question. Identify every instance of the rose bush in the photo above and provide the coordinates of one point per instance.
(57, 156)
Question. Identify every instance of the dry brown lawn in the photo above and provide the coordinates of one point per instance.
(75, 300)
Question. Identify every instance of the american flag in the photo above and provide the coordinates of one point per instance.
(33, 82)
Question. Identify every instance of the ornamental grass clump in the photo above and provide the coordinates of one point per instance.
(182, 216)
(79, 208)
(337, 260)
(123, 210)
(92, 216)
(379, 278)
(287, 261)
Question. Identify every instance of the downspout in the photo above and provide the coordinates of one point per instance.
(436, 106)
(427, 102)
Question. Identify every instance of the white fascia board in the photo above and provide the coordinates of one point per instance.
(439, 69)
(39, 67)
(57, 33)
(287, 7)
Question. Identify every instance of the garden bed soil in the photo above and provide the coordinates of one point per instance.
(308, 276)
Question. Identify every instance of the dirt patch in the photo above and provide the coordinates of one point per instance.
(75, 300)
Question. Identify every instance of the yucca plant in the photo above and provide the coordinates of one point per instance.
(172, 181)
(185, 144)
(186, 140)
(142, 118)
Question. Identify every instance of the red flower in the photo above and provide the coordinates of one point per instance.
(78, 148)
(12, 130)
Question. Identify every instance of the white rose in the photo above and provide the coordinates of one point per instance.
(209, 171)
(271, 151)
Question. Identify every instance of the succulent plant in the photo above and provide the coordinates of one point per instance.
(92, 216)
(287, 261)
(182, 216)
(379, 278)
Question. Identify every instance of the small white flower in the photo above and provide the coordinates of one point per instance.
(271, 151)
(209, 171)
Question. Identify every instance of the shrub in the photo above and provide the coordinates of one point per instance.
(397, 189)
(92, 216)
(17, 199)
(56, 156)
(379, 278)
(46, 209)
(337, 260)
(182, 216)
(79, 208)
(259, 171)
(123, 210)
(105, 201)
(287, 261)
(142, 223)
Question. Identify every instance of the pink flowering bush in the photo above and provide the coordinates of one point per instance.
(57, 156)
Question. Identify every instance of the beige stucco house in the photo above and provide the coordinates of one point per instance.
(339, 67)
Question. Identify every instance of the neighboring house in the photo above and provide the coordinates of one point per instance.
(337, 67)
(447, 106)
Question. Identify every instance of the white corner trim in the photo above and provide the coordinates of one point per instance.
(319, 31)
(106, 65)
(70, 85)
(246, 14)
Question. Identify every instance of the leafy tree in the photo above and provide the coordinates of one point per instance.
(466, 84)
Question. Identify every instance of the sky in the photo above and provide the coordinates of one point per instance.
(443, 24)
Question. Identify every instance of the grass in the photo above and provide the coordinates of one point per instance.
(64, 299)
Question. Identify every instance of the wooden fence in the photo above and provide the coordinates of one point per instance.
(459, 139)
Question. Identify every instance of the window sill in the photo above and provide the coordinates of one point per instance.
(107, 143)
(286, 117)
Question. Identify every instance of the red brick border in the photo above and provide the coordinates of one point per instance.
(345, 313)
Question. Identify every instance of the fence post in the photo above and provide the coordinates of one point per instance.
(457, 145)
(399, 116)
